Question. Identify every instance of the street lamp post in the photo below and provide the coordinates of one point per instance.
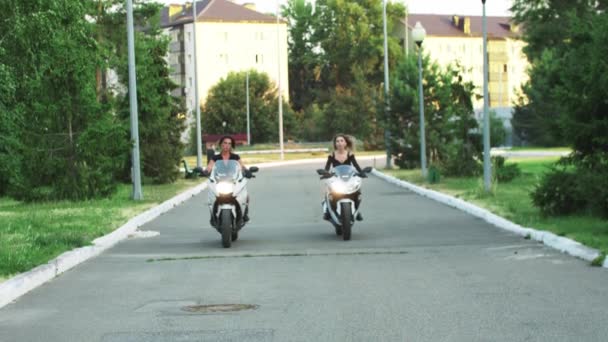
(248, 126)
(199, 147)
(419, 33)
(135, 171)
(387, 106)
(406, 38)
(486, 116)
(279, 85)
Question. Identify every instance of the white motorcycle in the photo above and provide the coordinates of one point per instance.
(228, 199)
(342, 196)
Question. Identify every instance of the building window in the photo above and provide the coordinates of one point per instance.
(259, 59)
(189, 36)
(259, 36)
(190, 81)
(189, 58)
(223, 36)
(223, 57)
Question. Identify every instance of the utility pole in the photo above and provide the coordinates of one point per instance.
(197, 104)
(279, 86)
(135, 170)
(387, 106)
(248, 125)
(487, 171)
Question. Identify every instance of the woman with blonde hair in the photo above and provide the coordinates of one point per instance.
(342, 155)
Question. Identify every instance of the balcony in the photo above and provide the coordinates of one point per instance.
(176, 46)
(178, 69)
(178, 92)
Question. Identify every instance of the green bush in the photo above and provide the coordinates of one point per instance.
(578, 185)
(504, 173)
(462, 158)
(498, 133)
(593, 184)
(434, 175)
(558, 193)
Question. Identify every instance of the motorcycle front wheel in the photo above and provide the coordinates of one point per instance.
(346, 220)
(226, 227)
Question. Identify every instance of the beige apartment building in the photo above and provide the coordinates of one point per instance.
(458, 39)
(230, 37)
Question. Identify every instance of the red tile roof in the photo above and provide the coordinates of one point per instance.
(440, 25)
(216, 10)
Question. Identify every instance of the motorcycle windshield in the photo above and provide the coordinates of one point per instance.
(344, 172)
(226, 170)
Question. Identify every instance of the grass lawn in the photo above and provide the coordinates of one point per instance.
(513, 202)
(542, 149)
(31, 234)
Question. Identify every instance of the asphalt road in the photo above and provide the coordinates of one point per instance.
(415, 270)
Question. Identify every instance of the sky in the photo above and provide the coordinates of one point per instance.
(462, 7)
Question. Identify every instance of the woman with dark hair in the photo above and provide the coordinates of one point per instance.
(342, 155)
(227, 146)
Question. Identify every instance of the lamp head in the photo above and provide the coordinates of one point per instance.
(418, 33)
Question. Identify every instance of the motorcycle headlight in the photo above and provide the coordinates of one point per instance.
(338, 187)
(225, 188)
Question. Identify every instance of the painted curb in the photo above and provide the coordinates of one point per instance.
(20, 284)
(560, 243)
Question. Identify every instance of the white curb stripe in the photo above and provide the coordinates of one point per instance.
(560, 243)
(19, 285)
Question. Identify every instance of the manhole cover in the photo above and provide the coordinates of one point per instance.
(219, 308)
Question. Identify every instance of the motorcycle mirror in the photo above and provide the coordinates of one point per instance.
(367, 169)
(254, 169)
(321, 172)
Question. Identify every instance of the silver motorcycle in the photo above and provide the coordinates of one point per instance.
(228, 199)
(342, 196)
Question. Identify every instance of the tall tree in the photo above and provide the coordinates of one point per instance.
(536, 115)
(546, 22)
(72, 146)
(451, 139)
(338, 48)
(227, 103)
(11, 127)
(548, 28)
(353, 110)
(583, 90)
(303, 60)
(569, 77)
(350, 34)
(160, 114)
